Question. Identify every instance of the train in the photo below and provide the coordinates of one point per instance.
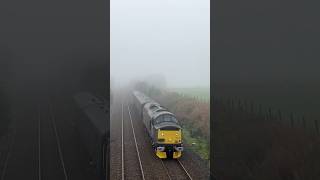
(162, 126)
(93, 130)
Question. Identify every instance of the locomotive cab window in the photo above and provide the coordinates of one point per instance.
(165, 118)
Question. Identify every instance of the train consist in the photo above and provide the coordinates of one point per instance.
(92, 128)
(162, 126)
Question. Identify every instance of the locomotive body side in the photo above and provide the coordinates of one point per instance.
(92, 129)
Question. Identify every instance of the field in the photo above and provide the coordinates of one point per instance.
(202, 93)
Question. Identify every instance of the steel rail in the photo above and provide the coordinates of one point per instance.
(39, 143)
(58, 143)
(122, 146)
(135, 140)
(184, 169)
(167, 171)
(9, 151)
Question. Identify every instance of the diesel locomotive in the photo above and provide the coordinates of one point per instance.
(161, 125)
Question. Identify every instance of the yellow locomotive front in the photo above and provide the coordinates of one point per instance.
(169, 144)
(168, 137)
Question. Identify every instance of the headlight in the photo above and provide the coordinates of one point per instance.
(160, 148)
(178, 148)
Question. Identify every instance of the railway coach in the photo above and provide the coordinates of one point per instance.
(161, 125)
(92, 127)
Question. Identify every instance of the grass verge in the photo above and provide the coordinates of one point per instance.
(197, 144)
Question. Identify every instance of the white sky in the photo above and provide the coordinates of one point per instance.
(171, 37)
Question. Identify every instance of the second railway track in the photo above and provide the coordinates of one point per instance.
(131, 163)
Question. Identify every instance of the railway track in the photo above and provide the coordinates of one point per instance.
(172, 170)
(39, 143)
(184, 169)
(122, 146)
(166, 170)
(128, 145)
(58, 141)
(134, 158)
(136, 144)
(11, 141)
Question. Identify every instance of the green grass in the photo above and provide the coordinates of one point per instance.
(201, 146)
(198, 92)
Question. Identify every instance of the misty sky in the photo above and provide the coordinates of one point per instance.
(266, 41)
(171, 37)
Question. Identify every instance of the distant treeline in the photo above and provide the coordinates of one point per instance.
(254, 142)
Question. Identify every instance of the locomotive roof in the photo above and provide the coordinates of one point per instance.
(141, 97)
(94, 108)
(159, 113)
(153, 108)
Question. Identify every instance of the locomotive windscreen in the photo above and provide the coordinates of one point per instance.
(165, 118)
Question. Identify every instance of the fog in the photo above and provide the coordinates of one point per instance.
(54, 42)
(52, 47)
(266, 41)
(161, 37)
(268, 52)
